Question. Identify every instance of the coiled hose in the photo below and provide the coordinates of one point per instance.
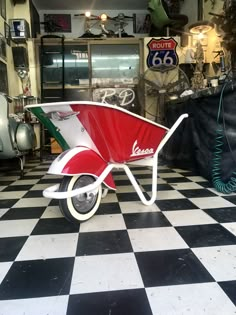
(219, 185)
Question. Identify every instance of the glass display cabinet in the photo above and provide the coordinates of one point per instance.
(104, 70)
(115, 72)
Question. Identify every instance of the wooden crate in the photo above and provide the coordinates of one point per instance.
(55, 147)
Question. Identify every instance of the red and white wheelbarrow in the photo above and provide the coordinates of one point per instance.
(97, 138)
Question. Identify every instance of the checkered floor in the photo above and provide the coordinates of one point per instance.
(177, 256)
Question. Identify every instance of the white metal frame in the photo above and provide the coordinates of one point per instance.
(52, 192)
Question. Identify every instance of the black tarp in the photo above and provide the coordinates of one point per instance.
(192, 145)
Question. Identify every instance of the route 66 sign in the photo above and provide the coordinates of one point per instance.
(162, 54)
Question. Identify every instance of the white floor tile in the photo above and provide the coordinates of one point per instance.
(25, 182)
(169, 194)
(4, 267)
(32, 202)
(211, 202)
(9, 178)
(180, 170)
(111, 197)
(12, 194)
(187, 185)
(125, 189)
(192, 299)
(103, 223)
(40, 186)
(197, 178)
(137, 207)
(230, 227)
(56, 305)
(52, 212)
(105, 273)
(221, 194)
(17, 227)
(39, 173)
(146, 171)
(3, 211)
(148, 181)
(51, 176)
(162, 238)
(220, 261)
(170, 175)
(49, 246)
(188, 217)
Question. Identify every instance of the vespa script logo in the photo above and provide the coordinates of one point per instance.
(137, 151)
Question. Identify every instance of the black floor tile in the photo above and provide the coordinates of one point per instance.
(145, 220)
(54, 202)
(197, 193)
(6, 203)
(10, 247)
(205, 184)
(222, 215)
(49, 181)
(229, 288)
(18, 188)
(37, 278)
(177, 180)
(143, 176)
(98, 243)
(23, 213)
(122, 182)
(230, 199)
(171, 267)
(175, 204)
(31, 177)
(160, 187)
(34, 194)
(5, 182)
(127, 302)
(206, 235)
(167, 170)
(109, 208)
(131, 196)
(55, 226)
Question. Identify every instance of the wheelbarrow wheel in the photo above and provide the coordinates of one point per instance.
(83, 206)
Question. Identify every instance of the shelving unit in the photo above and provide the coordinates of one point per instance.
(52, 60)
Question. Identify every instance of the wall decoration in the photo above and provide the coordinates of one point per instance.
(3, 53)
(7, 33)
(3, 8)
(3, 76)
(60, 23)
(142, 23)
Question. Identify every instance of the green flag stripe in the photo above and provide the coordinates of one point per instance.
(39, 113)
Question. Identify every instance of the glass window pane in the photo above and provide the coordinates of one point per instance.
(114, 64)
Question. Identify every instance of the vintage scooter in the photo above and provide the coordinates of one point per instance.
(97, 138)
(16, 138)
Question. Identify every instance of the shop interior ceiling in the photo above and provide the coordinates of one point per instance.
(91, 4)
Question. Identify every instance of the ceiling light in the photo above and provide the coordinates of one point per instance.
(103, 17)
(201, 27)
(87, 14)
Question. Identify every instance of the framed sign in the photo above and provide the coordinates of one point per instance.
(60, 23)
(3, 8)
(7, 33)
(3, 53)
(142, 23)
(3, 76)
(162, 54)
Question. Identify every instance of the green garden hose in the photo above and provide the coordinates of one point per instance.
(219, 185)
